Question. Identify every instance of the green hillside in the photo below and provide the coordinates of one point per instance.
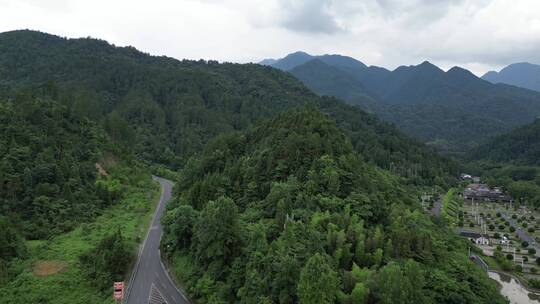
(63, 186)
(520, 147)
(166, 110)
(48, 166)
(287, 212)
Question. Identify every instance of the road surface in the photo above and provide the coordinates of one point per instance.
(437, 206)
(150, 282)
(522, 234)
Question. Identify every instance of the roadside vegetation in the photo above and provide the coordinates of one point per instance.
(80, 265)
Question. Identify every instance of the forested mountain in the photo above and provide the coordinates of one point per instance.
(166, 109)
(523, 74)
(49, 182)
(519, 147)
(293, 60)
(47, 166)
(290, 61)
(453, 110)
(288, 212)
(330, 80)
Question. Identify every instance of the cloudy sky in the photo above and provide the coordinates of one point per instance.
(476, 34)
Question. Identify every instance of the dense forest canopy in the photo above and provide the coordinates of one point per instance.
(520, 147)
(47, 166)
(49, 181)
(168, 109)
(288, 212)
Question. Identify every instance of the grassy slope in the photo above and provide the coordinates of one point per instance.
(131, 215)
(450, 206)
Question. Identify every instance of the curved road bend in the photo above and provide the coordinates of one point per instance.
(150, 282)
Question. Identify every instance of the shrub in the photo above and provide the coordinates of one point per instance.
(524, 225)
(108, 260)
(514, 216)
(509, 256)
(471, 224)
(496, 235)
(537, 261)
(498, 214)
(512, 229)
(525, 259)
(534, 270)
(531, 229)
(524, 244)
(518, 268)
(499, 248)
(534, 283)
(491, 227)
(501, 227)
(532, 251)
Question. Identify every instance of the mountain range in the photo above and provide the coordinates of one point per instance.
(453, 110)
(523, 74)
(165, 110)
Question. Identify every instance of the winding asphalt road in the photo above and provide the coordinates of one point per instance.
(150, 282)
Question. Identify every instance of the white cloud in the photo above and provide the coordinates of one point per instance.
(476, 34)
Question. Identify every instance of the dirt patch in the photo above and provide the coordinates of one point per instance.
(47, 268)
(100, 170)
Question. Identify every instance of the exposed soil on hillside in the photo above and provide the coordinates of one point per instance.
(47, 268)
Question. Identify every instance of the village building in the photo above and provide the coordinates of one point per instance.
(469, 177)
(477, 238)
(484, 193)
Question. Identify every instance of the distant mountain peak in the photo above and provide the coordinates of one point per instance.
(523, 63)
(428, 65)
(298, 58)
(520, 74)
(299, 53)
(461, 72)
(292, 60)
